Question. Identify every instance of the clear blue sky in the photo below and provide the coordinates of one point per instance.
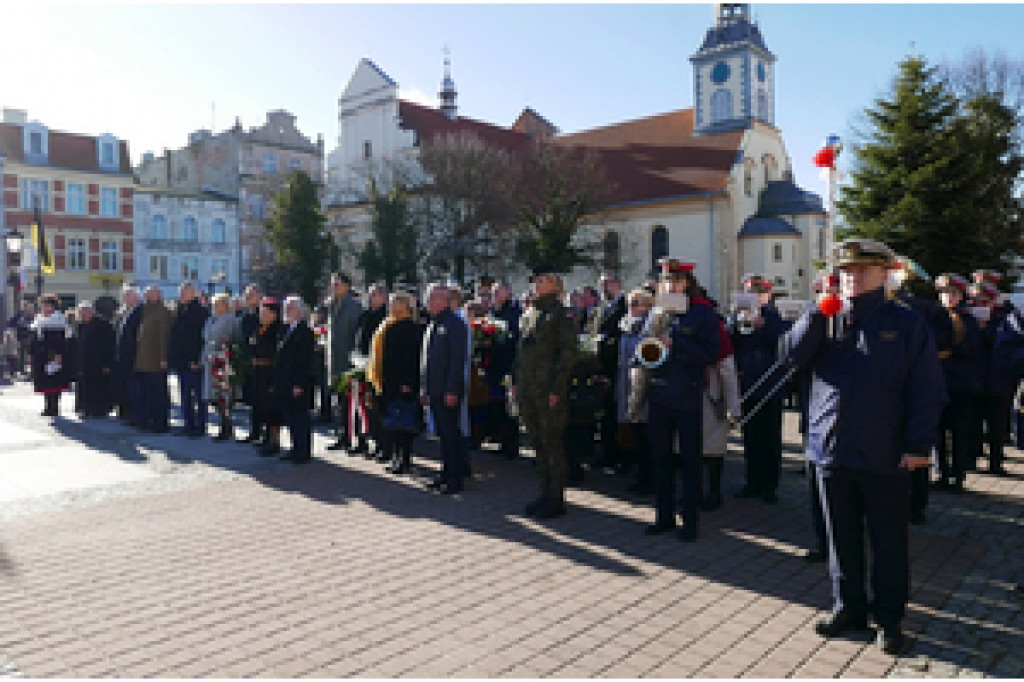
(149, 73)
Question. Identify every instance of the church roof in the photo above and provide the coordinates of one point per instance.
(733, 33)
(761, 226)
(658, 157)
(430, 123)
(783, 197)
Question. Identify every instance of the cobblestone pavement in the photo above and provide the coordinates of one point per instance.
(217, 563)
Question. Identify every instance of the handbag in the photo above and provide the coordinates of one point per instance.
(402, 415)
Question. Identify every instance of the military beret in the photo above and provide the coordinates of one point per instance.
(863, 252)
(671, 267)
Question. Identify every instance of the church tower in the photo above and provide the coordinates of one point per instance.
(447, 94)
(733, 74)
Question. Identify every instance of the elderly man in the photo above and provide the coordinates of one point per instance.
(344, 312)
(443, 385)
(128, 389)
(369, 321)
(96, 346)
(151, 361)
(249, 324)
(293, 379)
(503, 359)
(185, 356)
(877, 393)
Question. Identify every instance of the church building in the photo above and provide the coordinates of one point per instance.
(710, 183)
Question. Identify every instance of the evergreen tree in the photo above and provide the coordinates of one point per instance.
(391, 254)
(909, 188)
(295, 230)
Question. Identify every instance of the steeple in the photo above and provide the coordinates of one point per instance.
(733, 73)
(447, 94)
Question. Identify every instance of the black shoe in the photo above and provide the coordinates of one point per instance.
(838, 622)
(301, 460)
(640, 489)
(360, 449)
(659, 528)
(998, 471)
(288, 456)
(251, 438)
(815, 556)
(770, 497)
(397, 469)
(688, 533)
(746, 492)
(891, 640)
(337, 445)
(270, 450)
(550, 509)
(436, 484)
(917, 517)
(451, 488)
(532, 508)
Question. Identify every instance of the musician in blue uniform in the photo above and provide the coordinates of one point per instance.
(675, 399)
(756, 341)
(876, 395)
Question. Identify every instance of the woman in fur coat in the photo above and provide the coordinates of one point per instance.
(50, 358)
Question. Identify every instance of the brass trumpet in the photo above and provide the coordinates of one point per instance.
(651, 353)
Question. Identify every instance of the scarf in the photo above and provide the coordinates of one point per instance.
(375, 365)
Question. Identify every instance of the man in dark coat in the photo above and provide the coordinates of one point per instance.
(503, 359)
(370, 319)
(344, 311)
(604, 322)
(96, 347)
(151, 361)
(184, 357)
(293, 380)
(443, 385)
(128, 391)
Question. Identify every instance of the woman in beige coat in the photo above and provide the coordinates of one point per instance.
(721, 406)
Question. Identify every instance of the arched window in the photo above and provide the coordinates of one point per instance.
(218, 233)
(721, 105)
(158, 227)
(659, 245)
(771, 168)
(612, 252)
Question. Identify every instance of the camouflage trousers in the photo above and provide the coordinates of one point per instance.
(545, 426)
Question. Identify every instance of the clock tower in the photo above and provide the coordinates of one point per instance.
(733, 74)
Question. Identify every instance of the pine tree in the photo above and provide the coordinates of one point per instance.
(391, 254)
(295, 230)
(909, 188)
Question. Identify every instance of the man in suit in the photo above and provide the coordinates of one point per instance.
(443, 385)
(184, 355)
(95, 363)
(505, 427)
(293, 380)
(129, 391)
(151, 361)
(344, 312)
(605, 324)
(249, 324)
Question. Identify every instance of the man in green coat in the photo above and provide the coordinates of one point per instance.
(547, 351)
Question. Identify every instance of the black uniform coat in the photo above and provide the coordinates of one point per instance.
(49, 339)
(293, 365)
(264, 350)
(96, 348)
(401, 361)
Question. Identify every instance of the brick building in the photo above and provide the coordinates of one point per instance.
(84, 187)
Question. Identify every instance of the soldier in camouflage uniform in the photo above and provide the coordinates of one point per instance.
(547, 352)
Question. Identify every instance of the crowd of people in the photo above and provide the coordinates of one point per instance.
(648, 382)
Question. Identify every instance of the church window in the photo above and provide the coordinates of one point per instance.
(721, 105)
(367, 150)
(610, 245)
(748, 180)
(762, 106)
(659, 245)
(771, 168)
(777, 253)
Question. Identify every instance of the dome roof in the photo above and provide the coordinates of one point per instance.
(783, 197)
(760, 226)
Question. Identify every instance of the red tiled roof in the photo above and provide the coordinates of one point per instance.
(430, 123)
(67, 150)
(658, 156)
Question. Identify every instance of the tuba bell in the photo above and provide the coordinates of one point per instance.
(651, 353)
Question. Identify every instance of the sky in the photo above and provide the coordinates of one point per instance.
(152, 73)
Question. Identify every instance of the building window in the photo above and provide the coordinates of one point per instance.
(256, 207)
(190, 269)
(29, 190)
(35, 143)
(219, 269)
(777, 253)
(76, 254)
(367, 150)
(76, 199)
(762, 106)
(218, 232)
(659, 245)
(108, 202)
(269, 163)
(158, 267)
(109, 256)
(158, 227)
(190, 229)
(612, 252)
(721, 106)
(294, 164)
(107, 154)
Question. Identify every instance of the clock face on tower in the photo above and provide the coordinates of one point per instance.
(760, 72)
(719, 73)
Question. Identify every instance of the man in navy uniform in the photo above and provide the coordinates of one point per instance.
(757, 342)
(675, 399)
(876, 395)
